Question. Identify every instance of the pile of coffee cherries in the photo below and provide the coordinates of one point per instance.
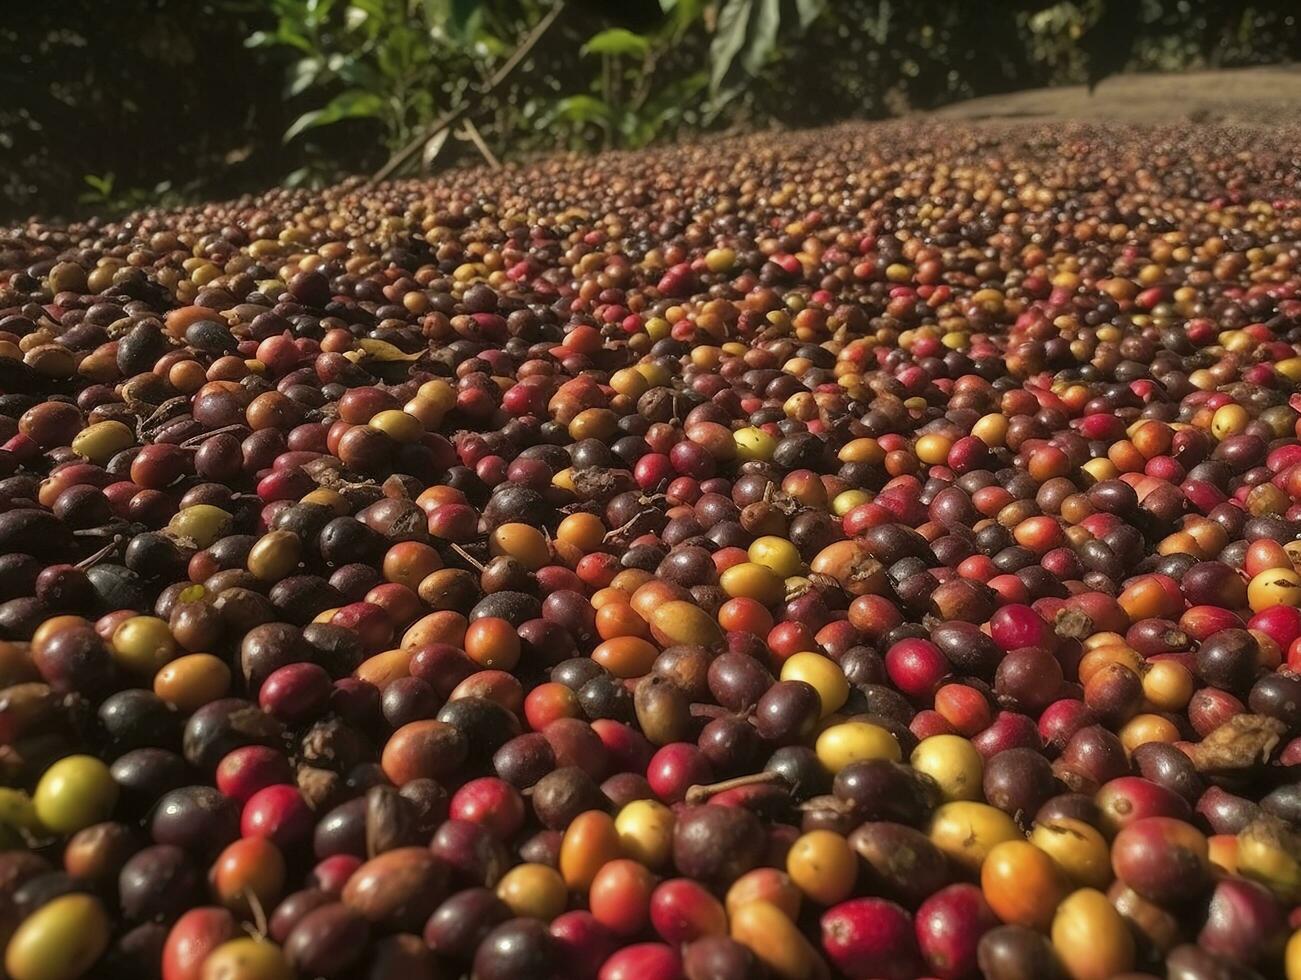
(863, 553)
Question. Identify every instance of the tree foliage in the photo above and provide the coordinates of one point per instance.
(111, 106)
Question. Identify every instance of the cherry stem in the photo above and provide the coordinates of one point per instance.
(114, 528)
(614, 534)
(702, 793)
(104, 552)
(198, 440)
(258, 912)
(477, 565)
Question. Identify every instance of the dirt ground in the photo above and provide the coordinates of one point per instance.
(1248, 96)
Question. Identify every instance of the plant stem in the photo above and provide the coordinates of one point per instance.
(472, 133)
(702, 793)
(472, 101)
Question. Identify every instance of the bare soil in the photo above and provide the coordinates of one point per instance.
(1264, 96)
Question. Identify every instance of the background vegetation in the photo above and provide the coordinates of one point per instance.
(109, 106)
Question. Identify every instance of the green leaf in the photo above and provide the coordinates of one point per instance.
(878, 27)
(101, 185)
(729, 39)
(356, 73)
(582, 108)
(299, 177)
(490, 46)
(318, 11)
(355, 17)
(352, 104)
(457, 20)
(367, 8)
(308, 120)
(762, 36)
(682, 15)
(809, 11)
(678, 95)
(368, 18)
(616, 41)
(434, 146)
(395, 55)
(666, 107)
(284, 34)
(463, 17)
(306, 73)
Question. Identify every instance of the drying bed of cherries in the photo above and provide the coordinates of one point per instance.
(864, 553)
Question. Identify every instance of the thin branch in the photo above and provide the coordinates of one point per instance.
(453, 116)
(607, 95)
(472, 133)
(643, 89)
